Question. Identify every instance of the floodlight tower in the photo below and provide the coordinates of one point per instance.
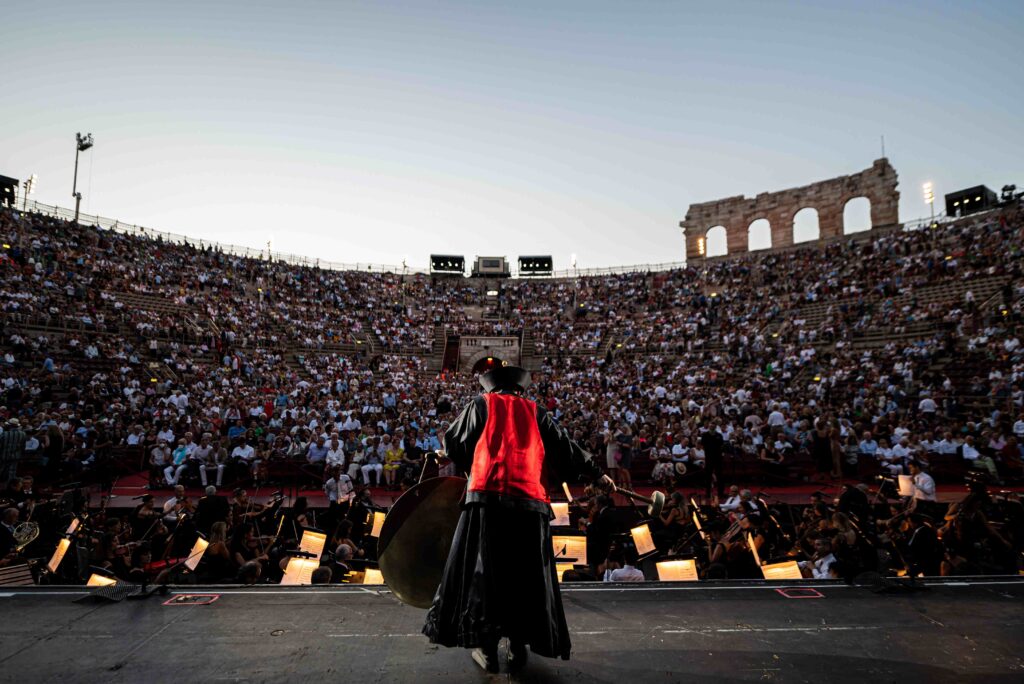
(82, 143)
(929, 197)
(29, 186)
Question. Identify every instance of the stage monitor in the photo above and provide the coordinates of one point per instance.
(970, 201)
(447, 264)
(8, 191)
(491, 267)
(536, 265)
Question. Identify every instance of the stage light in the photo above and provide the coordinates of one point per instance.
(561, 511)
(683, 570)
(643, 539)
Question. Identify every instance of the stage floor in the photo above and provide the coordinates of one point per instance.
(958, 631)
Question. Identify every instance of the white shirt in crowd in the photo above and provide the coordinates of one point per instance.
(627, 573)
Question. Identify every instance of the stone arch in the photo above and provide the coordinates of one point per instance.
(485, 352)
(759, 235)
(856, 215)
(805, 225)
(716, 241)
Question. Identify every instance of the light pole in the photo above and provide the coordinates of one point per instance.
(30, 186)
(929, 197)
(81, 145)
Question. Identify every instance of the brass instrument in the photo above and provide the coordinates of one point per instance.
(25, 534)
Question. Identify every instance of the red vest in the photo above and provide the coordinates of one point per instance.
(509, 456)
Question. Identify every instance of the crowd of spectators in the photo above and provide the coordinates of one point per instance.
(863, 357)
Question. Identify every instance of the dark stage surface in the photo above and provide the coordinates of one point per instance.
(959, 631)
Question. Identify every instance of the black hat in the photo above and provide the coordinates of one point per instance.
(505, 378)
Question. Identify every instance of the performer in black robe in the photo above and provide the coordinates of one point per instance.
(500, 579)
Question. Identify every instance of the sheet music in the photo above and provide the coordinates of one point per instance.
(780, 571)
(561, 511)
(906, 485)
(683, 570)
(58, 555)
(196, 554)
(299, 571)
(313, 542)
(570, 546)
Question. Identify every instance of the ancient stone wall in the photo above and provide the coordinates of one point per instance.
(828, 197)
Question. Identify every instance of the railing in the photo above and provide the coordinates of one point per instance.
(235, 250)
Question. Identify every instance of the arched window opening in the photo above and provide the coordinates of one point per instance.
(759, 235)
(805, 225)
(716, 242)
(857, 215)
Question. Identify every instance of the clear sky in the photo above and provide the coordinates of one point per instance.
(381, 130)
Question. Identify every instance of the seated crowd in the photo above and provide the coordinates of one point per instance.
(124, 352)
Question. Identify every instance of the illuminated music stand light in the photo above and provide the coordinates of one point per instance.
(774, 571)
(568, 494)
(58, 555)
(678, 570)
(75, 522)
(560, 569)
(643, 540)
(98, 580)
(299, 571)
(570, 547)
(373, 576)
(196, 554)
(561, 511)
(906, 484)
(313, 542)
(378, 523)
(787, 570)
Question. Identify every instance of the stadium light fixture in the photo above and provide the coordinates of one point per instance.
(30, 187)
(929, 197)
(82, 143)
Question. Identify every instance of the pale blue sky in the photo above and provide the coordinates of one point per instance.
(377, 131)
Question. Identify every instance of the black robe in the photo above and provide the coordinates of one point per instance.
(500, 578)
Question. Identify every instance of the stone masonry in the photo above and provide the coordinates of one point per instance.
(828, 197)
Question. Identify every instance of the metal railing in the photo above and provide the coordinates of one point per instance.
(234, 250)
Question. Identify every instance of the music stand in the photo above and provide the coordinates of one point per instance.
(677, 570)
(644, 542)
